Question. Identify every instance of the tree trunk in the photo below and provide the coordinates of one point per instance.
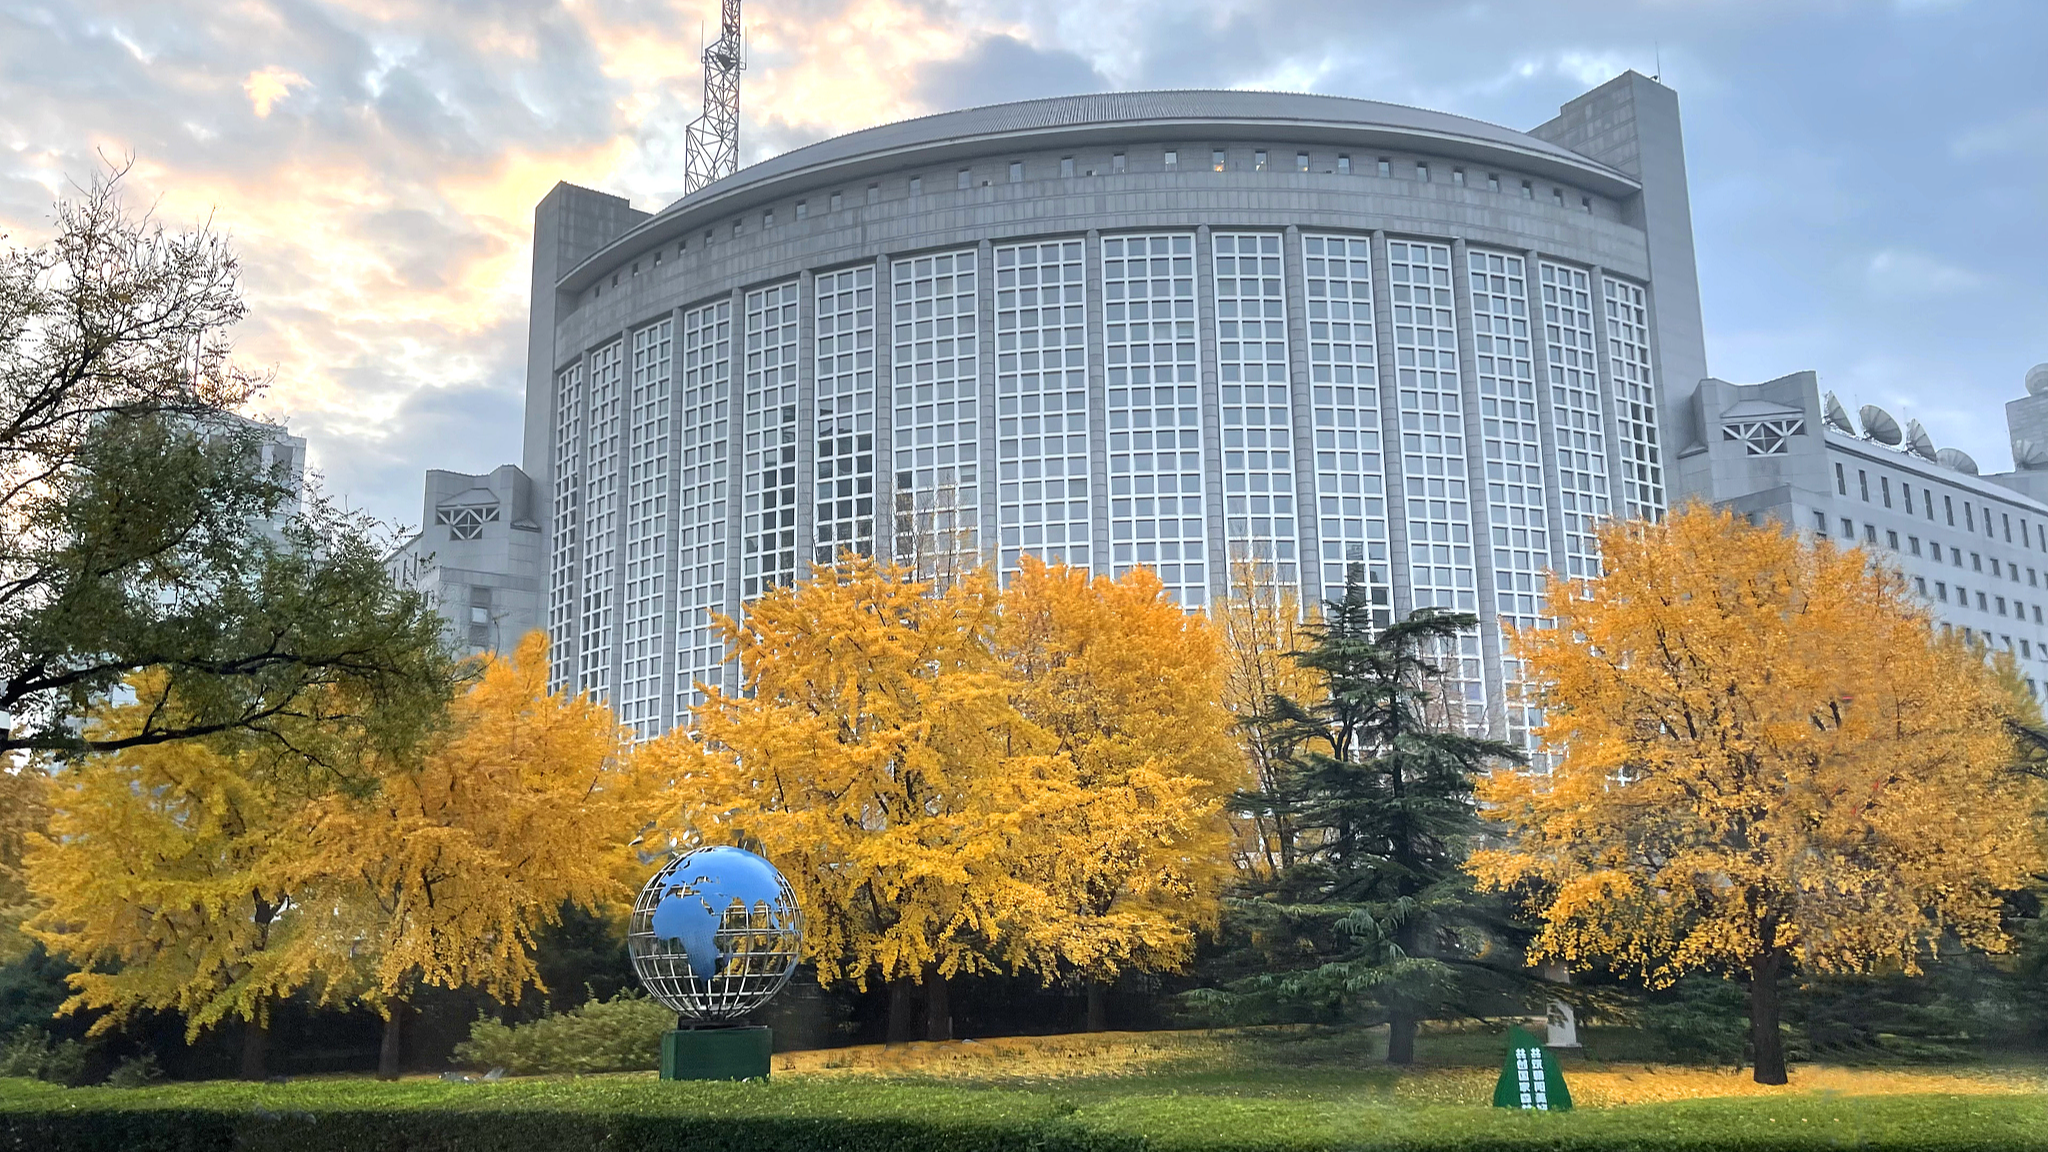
(391, 1051)
(1098, 1005)
(1401, 1026)
(938, 1007)
(902, 1010)
(1768, 1046)
(255, 1049)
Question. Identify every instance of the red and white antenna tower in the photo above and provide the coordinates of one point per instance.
(711, 146)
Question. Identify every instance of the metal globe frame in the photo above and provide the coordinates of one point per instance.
(760, 947)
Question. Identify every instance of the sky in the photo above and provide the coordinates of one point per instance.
(1869, 177)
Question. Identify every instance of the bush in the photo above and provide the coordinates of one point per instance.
(30, 1053)
(135, 1072)
(622, 1034)
(1700, 1018)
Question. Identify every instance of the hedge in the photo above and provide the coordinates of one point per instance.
(639, 1114)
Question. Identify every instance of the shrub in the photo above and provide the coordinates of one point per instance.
(30, 1053)
(135, 1072)
(1700, 1018)
(622, 1034)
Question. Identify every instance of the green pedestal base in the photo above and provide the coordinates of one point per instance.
(715, 1054)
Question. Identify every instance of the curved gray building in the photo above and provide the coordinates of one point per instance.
(1341, 338)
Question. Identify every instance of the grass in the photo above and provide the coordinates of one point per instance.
(1270, 1090)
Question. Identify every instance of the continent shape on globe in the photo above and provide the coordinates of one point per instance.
(691, 911)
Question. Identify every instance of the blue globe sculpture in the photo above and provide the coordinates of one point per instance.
(715, 934)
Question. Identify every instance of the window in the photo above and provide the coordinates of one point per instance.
(838, 200)
(803, 210)
(737, 227)
(1841, 482)
(1913, 545)
(768, 218)
(917, 185)
(965, 178)
(1558, 195)
(615, 275)
(1969, 518)
(1493, 181)
(682, 245)
(1848, 528)
(2000, 600)
(2030, 579)
(1870, 533)
(1422, 172)
(1863, 484)
(1941, 591)
(1892, 538)
(1994, 566)
(1386, 166)
(2027, 651)
(1976, 561)
(1259, 160)
(1820, 523)
(1117, 163)
(1955, 556)
(1218, 160)
(1949, 504)
(1927, 501)
(1586, 204)
(1884, 486)
(2037, 613)
(2007, 521)
(1016, 171)
(1920, 585)
(874, 193)
(657, 264)
(1066, 165)
(1172, 160)
(1981, 607)
(1765, 437)
(1458, 177)
(1344, 165)
(1528, 190)
(1301, 161)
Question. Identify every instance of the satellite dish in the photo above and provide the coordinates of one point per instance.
(1833, 412)
(2037, 380)
(2028, 455)
(1879, 425)
(1918, 442)
(1957, 459)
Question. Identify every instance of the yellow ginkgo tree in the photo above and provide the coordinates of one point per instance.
(874, 755)
(1766, 758)
(1124, 839)
(528, 800)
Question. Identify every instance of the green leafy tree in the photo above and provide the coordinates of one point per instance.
(142, 529)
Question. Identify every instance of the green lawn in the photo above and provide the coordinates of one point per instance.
(1176, 1092)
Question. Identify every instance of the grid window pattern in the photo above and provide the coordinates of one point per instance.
(1514, 451)
(1434, 478)
(1582, 492)
(845, 499)
(1343, 373)
(703, 427)
(938, 412)
(1042, 403)
(600, 520)
(563, 601)
(1155, 411)
(642, 635)
(1771, 438)
(1516, 515)
(1635, 394)
(1257, 421)
(768, 471)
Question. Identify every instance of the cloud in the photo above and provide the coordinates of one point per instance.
(1002, 68)
(1909, 275)
(267, 86)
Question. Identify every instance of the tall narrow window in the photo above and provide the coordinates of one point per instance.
(1016, 171)
(1586, 203)
(1217, 159)
(1422, 172)
(874, 193)
(1863, 484)
(1172, 159)
(768, 218)
(965, 178)
(1386, 166)
(1841, 481)
(1493, 181)
(837, 201)
(1117, 163)
(1948, 504)
(1528, 190)
(1884, 487)
(803, 209)
(1066, 165)
(1458, 177)
(917, 185)
(1344, 165)
(1259, 160)
(1558, 195)
(1301, 161)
